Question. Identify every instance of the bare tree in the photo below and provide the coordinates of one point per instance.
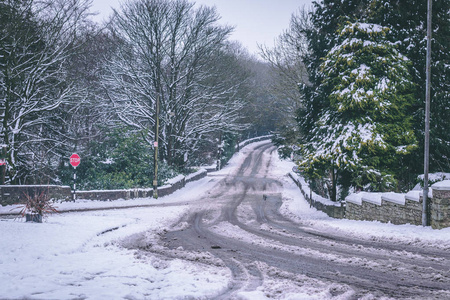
(286, 61)
(86, 119)
(168, 53)
(36, 40)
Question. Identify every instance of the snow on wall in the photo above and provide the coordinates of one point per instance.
(12, 194)
(413, 195)
(374, 198)
(332, 209)
(402, 208)
(253, 140)
(394, 198)
(355, 198)
(441, 186)
(196, 176)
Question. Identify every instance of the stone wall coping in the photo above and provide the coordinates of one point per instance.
(413, 196)
(200, 171)
(441, 186)
(33, 185)
(355, 198)
(305, 188)
(396, 198)
(430, 193)
(374, 198)
(255, 139)
(112, 191)
(176, 179)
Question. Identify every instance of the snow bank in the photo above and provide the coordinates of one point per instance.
(305, 187)
(79, 256)
(297, 208)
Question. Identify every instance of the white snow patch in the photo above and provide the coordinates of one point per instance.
(77, 255)
(297, 208)
(81, 254)
(442, 185)
(374, 198)
(394, 198)
(355, 198)
(413, 196)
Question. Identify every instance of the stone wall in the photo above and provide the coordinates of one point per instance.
(105, 195)
(336, 210)
(16, 194)
(385, 207)
(402, 208)
(371, 211)
(353, 211)
(253, 140)
(395, 213)
(440, 205)
(196, 176)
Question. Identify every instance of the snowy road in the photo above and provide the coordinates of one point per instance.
(240, 224)
(244, 232)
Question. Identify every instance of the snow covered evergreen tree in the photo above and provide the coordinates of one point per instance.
(325, 20)
(363, 128)
(408, 20)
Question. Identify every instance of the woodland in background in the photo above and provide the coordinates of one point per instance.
(69, 85)
(344, 87)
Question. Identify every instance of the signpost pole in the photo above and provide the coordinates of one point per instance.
(155, 178)
(74, 184)
(3, 166)
(74, 161)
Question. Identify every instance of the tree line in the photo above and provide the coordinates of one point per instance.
(359, 120)
(344, 86)
(68, 84)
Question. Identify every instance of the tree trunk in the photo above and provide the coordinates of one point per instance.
(333, 185)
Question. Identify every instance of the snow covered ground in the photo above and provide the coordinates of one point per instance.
(297, 208)
(80, 255)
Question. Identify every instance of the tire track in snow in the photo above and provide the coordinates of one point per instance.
(249, 201)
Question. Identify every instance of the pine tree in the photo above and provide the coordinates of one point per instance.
(407, 21)
(363, 128)
(326, 18)
(407, 18)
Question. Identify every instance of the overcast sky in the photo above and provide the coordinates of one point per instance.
(255, 21)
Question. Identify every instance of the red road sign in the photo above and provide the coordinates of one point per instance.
(74, 160)
(2, 162)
